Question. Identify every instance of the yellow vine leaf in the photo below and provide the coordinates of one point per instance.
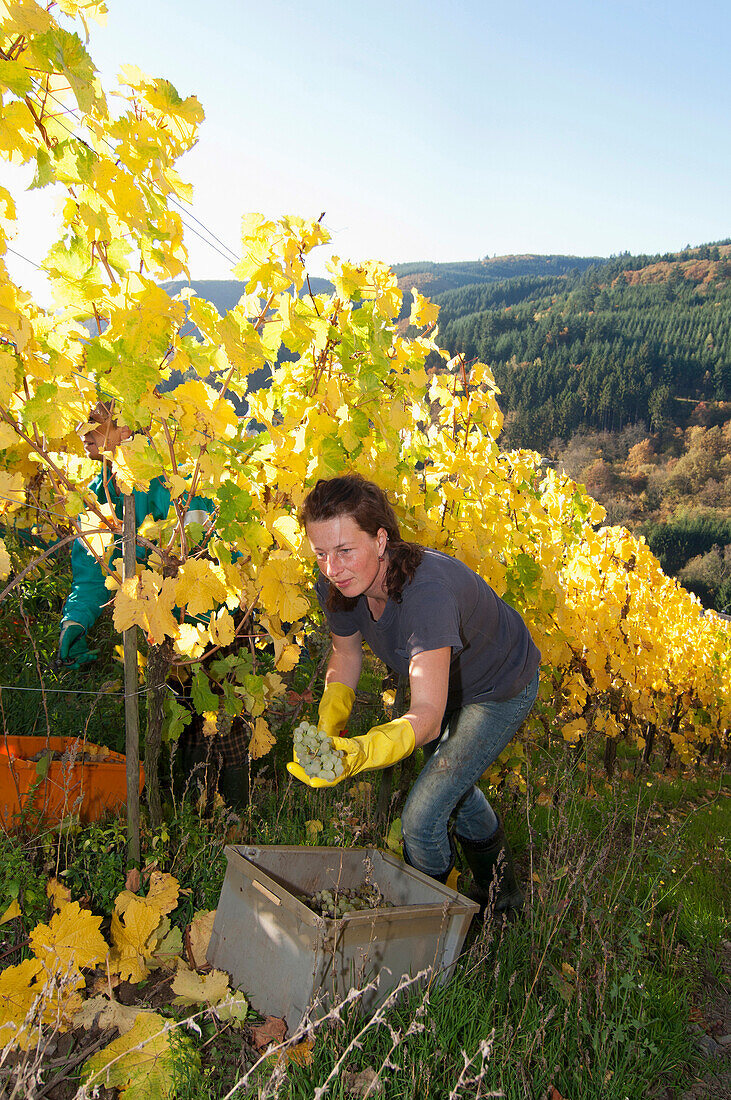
(221, 628)
(301, 1054)
(453, 878)
(286, 655)
(5, 567)
(213, 990)
(423, 312)
(12, 493)
(70, 941)
(389, 697)
(8, 436)
(287, 532)
(177, 485)
(135, 464)
(192, 988)
(202, 413)
(34, 999)
(162, 895)
(96, 9)
(574, 730)
(18, 994)
(199, 936)
(12, 911)
(18, 327)
(233, 1008)
(59, 1002)
(163, 891)
(8, 367)
(104, 1013)
(147, 601)
(210, 723)
(29, 17)
(132, 948)
(168, 945)
(137, 929)
(191, 640)
(140, 1063)
(101, 540)
(59, 894)
(262, 739)
(199, 586)
(280, 587)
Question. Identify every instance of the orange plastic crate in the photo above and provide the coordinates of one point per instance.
(89, 788)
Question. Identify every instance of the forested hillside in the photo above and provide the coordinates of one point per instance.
(635, 338)
(619, 372)
(436, 278)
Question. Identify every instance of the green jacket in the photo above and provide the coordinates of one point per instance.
(88, 590)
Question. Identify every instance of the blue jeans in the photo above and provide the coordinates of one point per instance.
(471, 739)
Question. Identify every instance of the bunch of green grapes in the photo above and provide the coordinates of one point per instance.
(339, 903)
(316, 754)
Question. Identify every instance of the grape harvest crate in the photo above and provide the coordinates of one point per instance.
(78, 778)
(288, 959)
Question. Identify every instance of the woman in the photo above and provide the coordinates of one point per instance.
(472, 668)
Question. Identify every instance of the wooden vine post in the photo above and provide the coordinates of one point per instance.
(131, 696)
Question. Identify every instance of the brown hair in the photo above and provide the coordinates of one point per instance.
(352, 495)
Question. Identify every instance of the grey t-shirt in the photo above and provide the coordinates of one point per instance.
(447, 604)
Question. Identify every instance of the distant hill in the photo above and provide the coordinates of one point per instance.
(435, 278)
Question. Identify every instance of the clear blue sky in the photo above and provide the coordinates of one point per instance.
(447, 131)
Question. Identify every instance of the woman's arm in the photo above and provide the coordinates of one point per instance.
(429, 682)
(388, 743)
(346, 661)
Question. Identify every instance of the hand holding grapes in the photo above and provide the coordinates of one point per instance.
(342, 757)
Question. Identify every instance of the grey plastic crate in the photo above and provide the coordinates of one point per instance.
(287, 959)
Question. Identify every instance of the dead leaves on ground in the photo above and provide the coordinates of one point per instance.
(272, 1030)
(363, 1083)
(137, 928)
(198, 937)
(141, 1062)
(46, 994)
(42, 993)
(272, 1033)
(213, 990)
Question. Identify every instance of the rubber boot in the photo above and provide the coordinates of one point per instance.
(444, 875)
(495, 886)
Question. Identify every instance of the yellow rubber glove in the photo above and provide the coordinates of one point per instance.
(380, 747)
(335, 707)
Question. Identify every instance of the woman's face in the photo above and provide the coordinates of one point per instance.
(350, 558)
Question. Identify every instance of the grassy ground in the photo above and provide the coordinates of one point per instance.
(590, 993)
(613, 984)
